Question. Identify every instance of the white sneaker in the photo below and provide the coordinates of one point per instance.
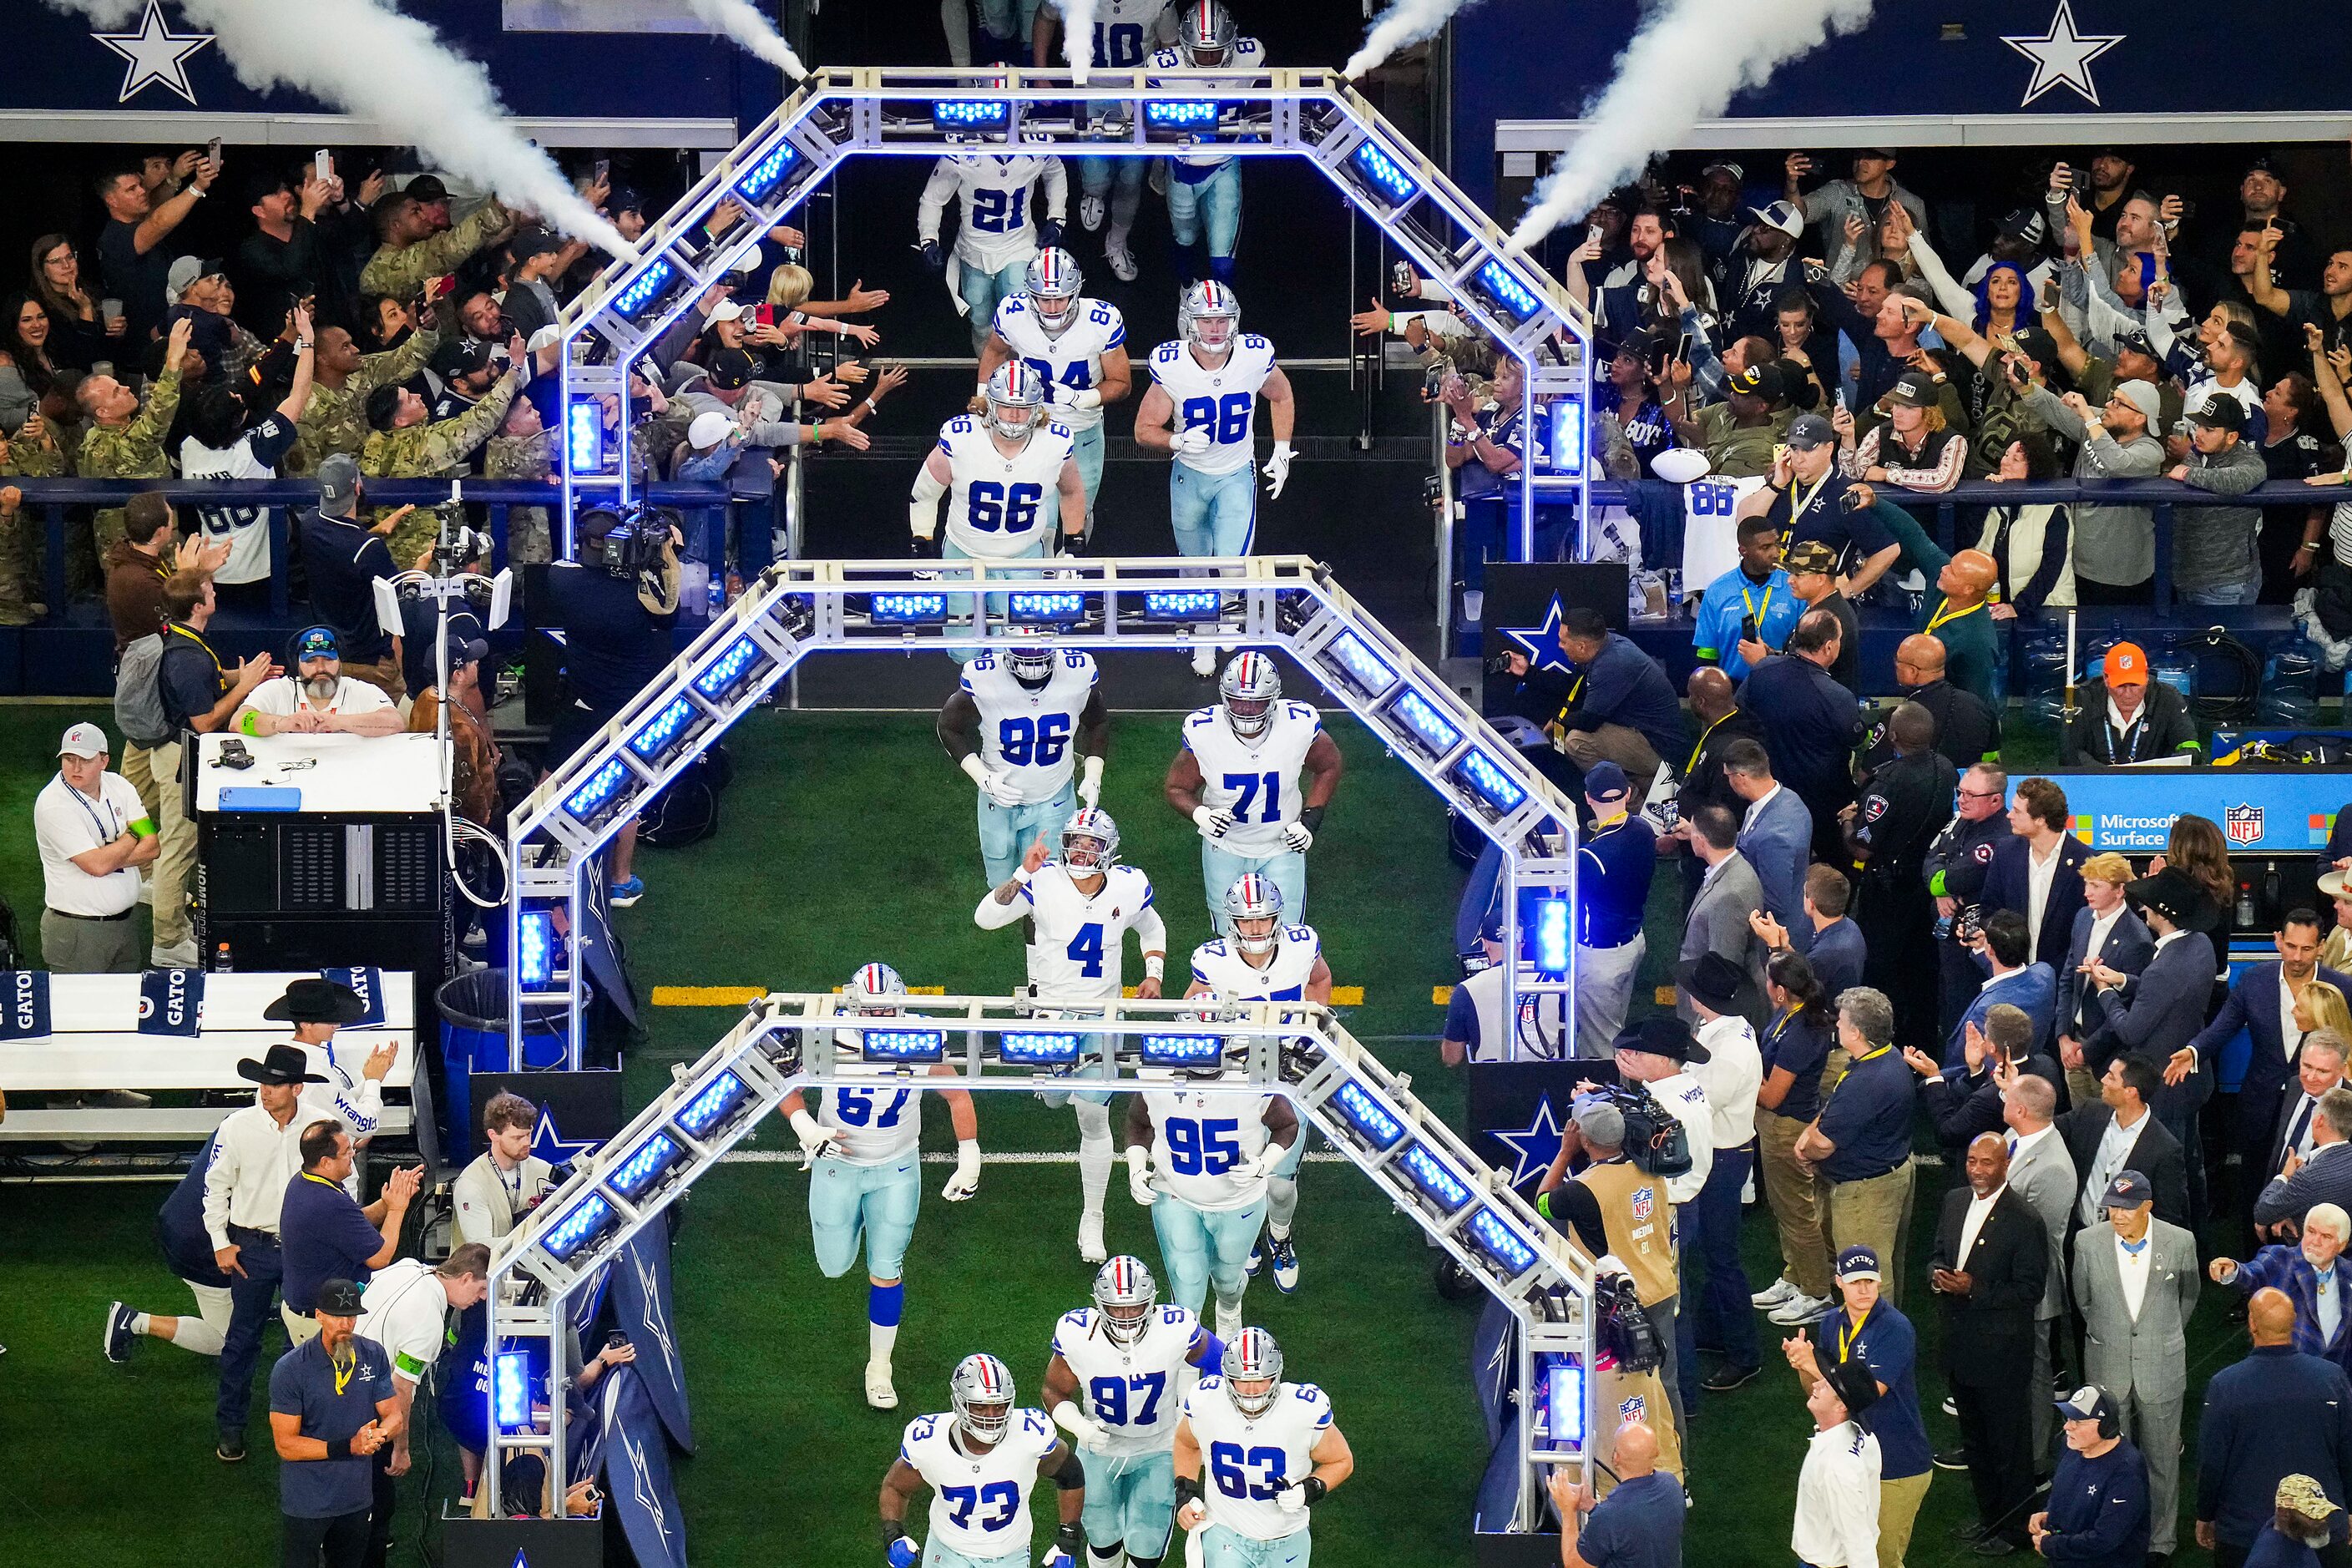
(1090, 213)
(1800, 1309)
(181, 956)
(1776, 1294)
(878, 1392)
(1204, 660)
(1090, 1240)
(1121, 260)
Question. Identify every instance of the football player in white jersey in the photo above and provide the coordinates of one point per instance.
(997, 469)
(1200, 411)
(1204, 186)
(1080, 908)
(865, 1179)
(1024, 722)
(980, 1459)
(1254, 1454)
(1077, 345)
(1127, 33)
(1238, 778)
(999, 231)
(1265, 961)
(1113, 1386)
(1211, 1154)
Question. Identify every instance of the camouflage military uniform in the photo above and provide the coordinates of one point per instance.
(21, 531)
(402, 273)
(528, 542)
(335, 419)
(132, 450)
(428, 451)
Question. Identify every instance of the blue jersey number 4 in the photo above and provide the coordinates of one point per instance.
(1086, 950)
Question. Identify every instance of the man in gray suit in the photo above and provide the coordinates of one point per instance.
(2042, 1172)
(2135, 1281)
(1728, 895)
(2325, 1178)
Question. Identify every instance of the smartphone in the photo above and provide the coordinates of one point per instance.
(322, 164)
(1747, 628)
(1592, 233)
(604, 170)
(212, 151)
(764, 314)
(1682, 349)
(1840, 394)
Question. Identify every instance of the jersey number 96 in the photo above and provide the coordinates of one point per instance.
(1039, 743)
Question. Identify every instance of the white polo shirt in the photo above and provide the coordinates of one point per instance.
(67, 823)
(284, 697)
(405, 1310)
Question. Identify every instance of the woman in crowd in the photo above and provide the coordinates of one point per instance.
(1633, 400)
(2028, 542)
(77, 337)
(2321, 1006)
(29, 374)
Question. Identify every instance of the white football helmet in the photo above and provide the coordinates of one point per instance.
(1249, 689)
(1016, 399)
(874, 991)
(981, 1392)
(1090, 843)
(1252, 1357)
(1205, 33)
(1125, 1294)
(1052, 283)
(1208, 305)
(1254, 906)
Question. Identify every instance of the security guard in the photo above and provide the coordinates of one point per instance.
(1892, 827)
(1955, 870)
(1613, 865)
(1968, 731)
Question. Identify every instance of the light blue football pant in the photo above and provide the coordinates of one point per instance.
(960, 604)
(1222, 1547)
(880, 1202)
(1131, 1501)
(936, 1554)
(1215, 202)
(1007, 831)
(1220, 868)
(1087, 448)
(1015, 19)
(1205, 1247)
(983, 291)
(1121, 177)
(1212, 514)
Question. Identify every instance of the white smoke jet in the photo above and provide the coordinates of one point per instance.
(1687, 62)
(1402, 25)
(740, 21)
(1078, 35)
(372, 63)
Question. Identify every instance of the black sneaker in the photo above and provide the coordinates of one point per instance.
(117, 1332)
(1952, 1458)
(1995, 1546)
(1723, 1380)
(232, 1448)
(1970, 1531)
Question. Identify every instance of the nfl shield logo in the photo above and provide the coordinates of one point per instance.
(2244, 824)
(1644, 1202)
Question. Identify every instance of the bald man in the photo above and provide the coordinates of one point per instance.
(1638, 1523)
(1992, 1260)
(1721, 722)
(1957, 614)
(2277, 1413)
(1967, 729)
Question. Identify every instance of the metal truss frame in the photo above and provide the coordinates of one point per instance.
(1298, 1050)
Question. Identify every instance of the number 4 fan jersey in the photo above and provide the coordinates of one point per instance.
(1131, 1391)
(1245, 1462)
(997, 506)
(1223, 401)
(1030, 735)
(1256, 780)
(980, 1505)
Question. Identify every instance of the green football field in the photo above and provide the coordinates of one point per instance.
(844, 838)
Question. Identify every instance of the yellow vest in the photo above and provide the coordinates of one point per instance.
(1638, 1219)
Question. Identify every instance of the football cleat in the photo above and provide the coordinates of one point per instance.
(1052, 283)
(874, 990)
(879, 1392)
(1281, 1253)
(1205, 34)
(1016, 399)
(1090, 843)
(1121, 260)
(1256, 1258)
(1125, 1294)
(1091, 1246)
(1204, 661)
(981, 1392)
(1253, 904)
(1090, 213)
(1249, 689)
(1208, 305)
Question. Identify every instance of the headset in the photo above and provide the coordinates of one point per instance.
(2110, 1424)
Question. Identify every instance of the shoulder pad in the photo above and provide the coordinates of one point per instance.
(1165, 58)
(960, 424)
(1305, 711)
(1061, 430)
(980, 661)
(1252, 340)
(1213, 1380)
(1215, 944)
(1012, 305)
(1166, 353)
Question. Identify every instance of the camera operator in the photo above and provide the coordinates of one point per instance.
(616, 605)
(1625, 1381)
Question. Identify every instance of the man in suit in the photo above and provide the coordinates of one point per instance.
(2325, 1178)
(2320, 1069)
(2119, 1133)
(1776, 834)
(1721, 721)
(1991, 1264)
(1895, 825)
(2135, 1282)
(1728, 895)
(2262, 1002)
(1965, 1101)
(2159, 1010)
(2042, 1172)
(2278, 1413)
(2037, 871)
(2028, 986)
(2307, 1272)
(2106, 932)
(1811, 724)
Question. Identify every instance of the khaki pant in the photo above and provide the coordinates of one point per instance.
(385, 675)
(2082, 1087)
(73, 946)
(1898, 1510)
(139, 772)
(177, 859)
(299, 1331)
(1616, 744)
(1796, 1196)
(1876, 1213)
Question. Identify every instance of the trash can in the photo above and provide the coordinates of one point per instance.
(473, 1008)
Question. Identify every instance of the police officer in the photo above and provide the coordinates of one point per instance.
(1954, 870)
(1614, 864)
(1968, 731)
(1890, 831)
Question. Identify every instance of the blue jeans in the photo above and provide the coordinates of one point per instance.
(252, 1296)
(1710, 1236)
(1220, 868)
(2243, 592)
(1212, 514)
(1007, 831)
(1215, 202)
(983, 291)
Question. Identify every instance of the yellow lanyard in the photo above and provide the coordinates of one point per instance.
(343, 1370)
(1848, 1330)
(1768, 590)
(1798, 509)
(175, 626)
(1945, 613)
(1703, 734)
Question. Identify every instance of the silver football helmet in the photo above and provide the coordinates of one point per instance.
(875, 990)
(1052, 283)
(1205, 33)
(1252, 1358)
(981, 1391)
(1254, 905)
(1016, 399)
(1206, 306)
(1125, 1294)
(1249, 689)
(1090, 843)
(1032, 663)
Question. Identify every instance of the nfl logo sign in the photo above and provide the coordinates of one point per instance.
(1644, 1202)
(2244, 824)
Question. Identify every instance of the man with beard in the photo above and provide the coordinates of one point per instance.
(315, 697)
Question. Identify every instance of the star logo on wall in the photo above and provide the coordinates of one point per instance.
(1540, 643)
(552, 1146)
(2063, 57)
(1533, 1147)
(156, 54)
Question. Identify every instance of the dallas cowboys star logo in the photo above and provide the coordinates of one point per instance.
(1540, 643)
(156, 54)
(1534, 1146)
(552, 1146)
(641, 1485)
(2061, 57)
(656, 1324)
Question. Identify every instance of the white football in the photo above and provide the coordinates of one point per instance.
(1680, 465)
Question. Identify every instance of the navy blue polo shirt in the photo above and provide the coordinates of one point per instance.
(1805, 1049)
(1889, 1346)
(334, 1399)
(1837, 953)
(1614, 865)
(1868, 1117)
(343, 561)
(1639, 1525)
(325, 1236)
(190, 677)
(613, 646)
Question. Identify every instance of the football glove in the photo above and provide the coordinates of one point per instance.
(933, 257)
(904, 1553)
(1278, 470)
(1139, 1175)
(1090, 772)
(1306, 1494)
(1298, 837)
(1191, 442)
(1087, 397)
(1265, 1161)
(997, 786)
(815, 1141)
(1049, 233)
(1214, 821)
(966, 1180)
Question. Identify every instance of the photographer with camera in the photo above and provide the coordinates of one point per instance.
(615, 604)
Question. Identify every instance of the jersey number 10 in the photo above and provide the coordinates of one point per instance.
(1227, 417)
